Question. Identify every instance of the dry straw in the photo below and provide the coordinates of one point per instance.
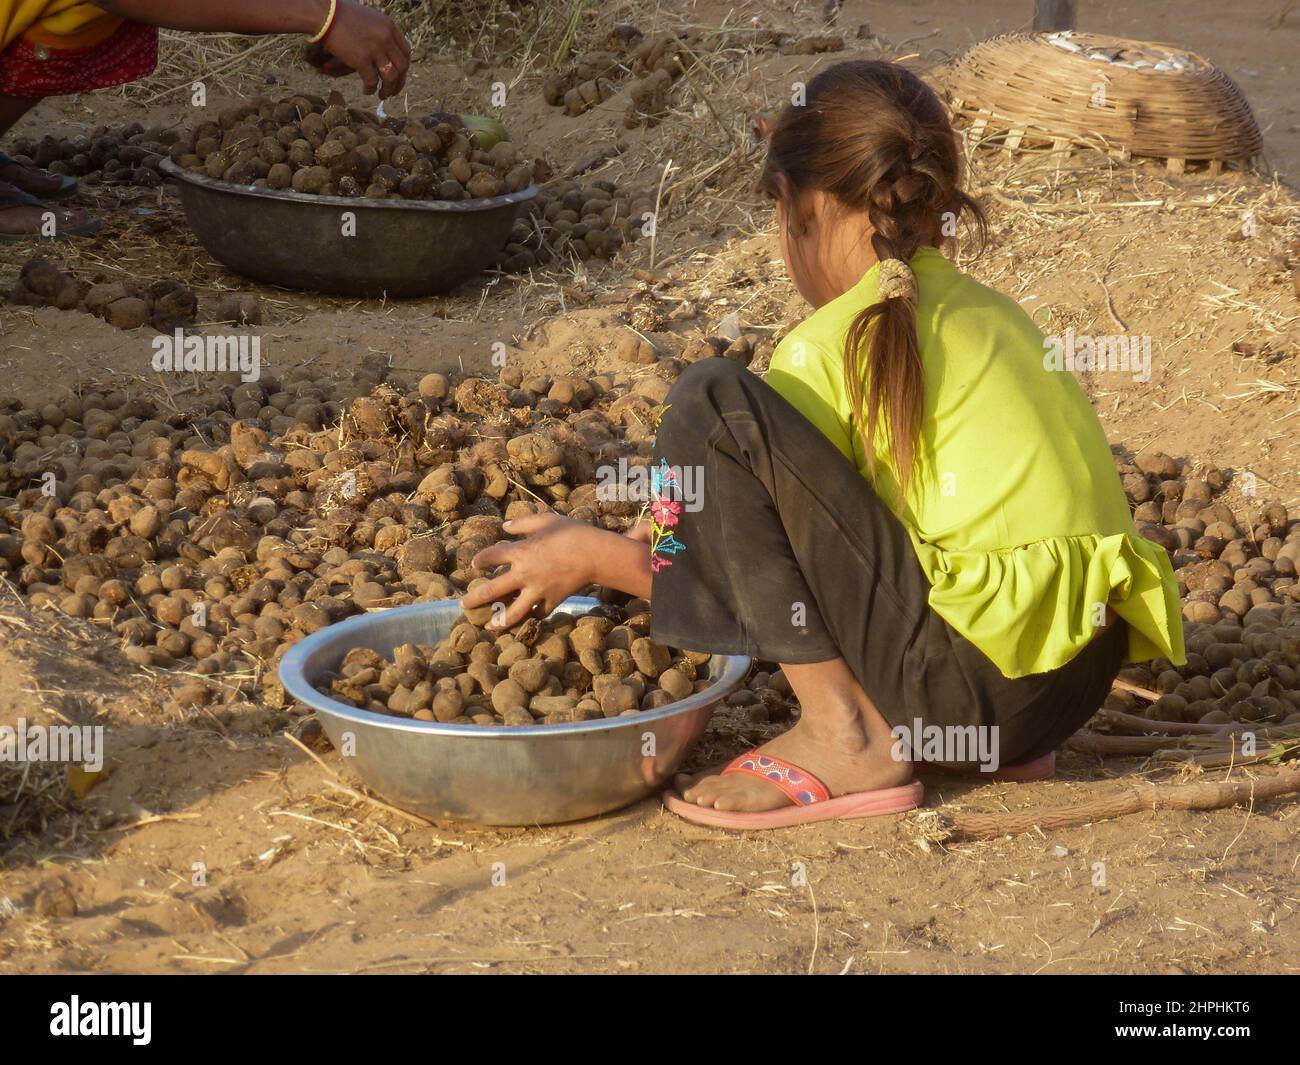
(1133, 97)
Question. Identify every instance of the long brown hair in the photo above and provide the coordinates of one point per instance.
(876, 138)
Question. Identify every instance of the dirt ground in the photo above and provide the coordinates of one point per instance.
(208, 849)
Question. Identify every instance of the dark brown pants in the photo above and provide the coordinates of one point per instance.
(788, 555)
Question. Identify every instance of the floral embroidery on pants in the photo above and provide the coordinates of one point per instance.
(664, 512)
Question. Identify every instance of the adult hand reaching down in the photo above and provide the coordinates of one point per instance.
(61, 48)
(355, 37)
(556, 557)
(367, 41)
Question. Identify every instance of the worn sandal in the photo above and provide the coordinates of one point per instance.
(812, 800)
(12, 196)
(67, 185)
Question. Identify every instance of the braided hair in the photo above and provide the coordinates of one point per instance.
(877, 139)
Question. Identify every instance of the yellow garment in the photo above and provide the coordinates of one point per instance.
(1015, 510)
(57, 23)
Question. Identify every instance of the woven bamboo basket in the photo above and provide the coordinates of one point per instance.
(1129, 98)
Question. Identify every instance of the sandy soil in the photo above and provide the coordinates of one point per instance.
(213, 849)
(219, 846)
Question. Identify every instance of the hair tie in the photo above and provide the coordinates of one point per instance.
(897, 281)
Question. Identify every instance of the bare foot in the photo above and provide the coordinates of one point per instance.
(837, 741)
(23, 219)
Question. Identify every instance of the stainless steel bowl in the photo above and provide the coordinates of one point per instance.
(400, 247)
(534, 775)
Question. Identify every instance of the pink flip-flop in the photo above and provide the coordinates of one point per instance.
(812, 801)
(1043, 768)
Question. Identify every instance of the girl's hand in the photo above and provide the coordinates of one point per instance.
(555, 560)
(367, 41)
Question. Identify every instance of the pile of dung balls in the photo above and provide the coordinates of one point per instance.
(208, 538)
(579, 220)
(654, 63)
(211, 538)
(554, 671)
(1237, 579)
(124, 155)
(659, 60)
(588, 81)
(319, 145)
(657, 63)
(165, 305)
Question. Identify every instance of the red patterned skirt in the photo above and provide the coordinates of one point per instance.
(28, 69)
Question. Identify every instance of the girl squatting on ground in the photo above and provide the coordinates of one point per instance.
(912, 515)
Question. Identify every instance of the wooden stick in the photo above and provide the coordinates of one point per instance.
(1221, 757)
(1205, 795)
(1145, 726)
(1065, 208)
(1099, 743)
(1176, 747)
(1119, 684)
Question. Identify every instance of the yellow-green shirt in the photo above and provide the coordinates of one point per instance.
(1015, 510)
